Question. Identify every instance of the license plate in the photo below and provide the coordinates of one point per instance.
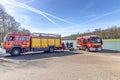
(98, 44)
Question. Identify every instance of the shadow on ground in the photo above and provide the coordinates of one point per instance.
(109, 51)
(41, 55)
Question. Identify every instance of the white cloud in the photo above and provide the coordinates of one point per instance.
(95, 17)
(9, 8)
(26, 19)
(26, 24)
(14, 3)
(44, 14)
(102, 16)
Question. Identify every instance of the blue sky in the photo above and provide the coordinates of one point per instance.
(64, 17)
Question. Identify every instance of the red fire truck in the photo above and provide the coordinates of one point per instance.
(89, 43)
(15, 44)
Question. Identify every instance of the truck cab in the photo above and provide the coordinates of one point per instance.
(89, 43)
(16, 43)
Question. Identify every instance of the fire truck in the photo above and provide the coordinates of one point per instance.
(89, 43)
(15, 44)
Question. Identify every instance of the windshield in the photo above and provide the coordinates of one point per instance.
(95, 40)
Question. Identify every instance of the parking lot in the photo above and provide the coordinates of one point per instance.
(66, 65)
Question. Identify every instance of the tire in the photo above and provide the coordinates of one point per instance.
(46, 51)
(51, 49)
(15, 52)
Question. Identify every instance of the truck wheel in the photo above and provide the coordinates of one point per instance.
(51, 49)
(46, 51)
(16, 52)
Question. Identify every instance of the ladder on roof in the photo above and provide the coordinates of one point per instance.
(45, 35)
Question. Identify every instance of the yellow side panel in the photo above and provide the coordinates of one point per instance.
(36, 43)
(57, 43)
(51, 42)
(44, 43)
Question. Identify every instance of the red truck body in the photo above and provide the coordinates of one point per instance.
(89, 43)
(12, 40)
(15, 44)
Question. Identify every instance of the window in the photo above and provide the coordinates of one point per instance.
(98, 40)
(16, 38)
(24, 38)
(12, 38)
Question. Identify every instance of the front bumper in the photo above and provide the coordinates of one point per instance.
(95, 49)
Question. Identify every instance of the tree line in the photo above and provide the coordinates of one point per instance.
(109, 33)
(9, 24)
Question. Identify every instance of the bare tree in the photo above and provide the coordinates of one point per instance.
(8, 24)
